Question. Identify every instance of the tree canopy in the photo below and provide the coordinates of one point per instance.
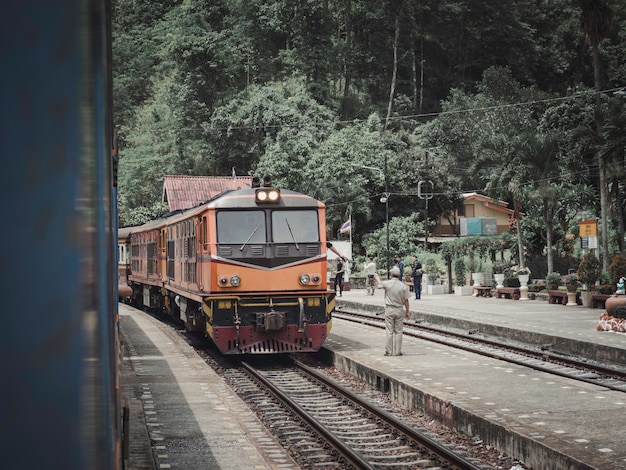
(346, 100)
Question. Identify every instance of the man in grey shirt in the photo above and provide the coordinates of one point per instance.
(396, 309)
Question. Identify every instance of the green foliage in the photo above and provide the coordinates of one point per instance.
(460, 273)
(430, 268)
(617, 268)
(620, 311)
(589, 269)
(498, 267)
(606, 289)
(554, 279)
(402, 231)
(295, 90)
(572, 280)
(141, 215)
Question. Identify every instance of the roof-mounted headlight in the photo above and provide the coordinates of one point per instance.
(267, 195)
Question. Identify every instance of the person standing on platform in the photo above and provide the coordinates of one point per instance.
(339, 277)
(396, 309)
(370, 270)
(400, 265)
(416, 274)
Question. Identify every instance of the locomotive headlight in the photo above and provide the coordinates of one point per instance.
(235, 280)
(273, 195)
(267, 195)
(305, 279)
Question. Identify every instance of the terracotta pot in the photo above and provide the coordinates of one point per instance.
(613, 302)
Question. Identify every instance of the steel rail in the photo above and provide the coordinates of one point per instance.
(353, 458)
(454, 460)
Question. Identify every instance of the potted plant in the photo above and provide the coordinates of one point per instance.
(589, 270)
(498, 273)
(433, 284)
(554, 280)
(523, 274)
(460, 278)
(572, 287)
(572, 283)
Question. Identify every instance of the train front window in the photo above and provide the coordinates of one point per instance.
(239, 227)
(299, 226)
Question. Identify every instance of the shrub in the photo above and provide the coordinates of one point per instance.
(572, 280)
(498, 267)
(617, 268)
(620, 311)
(554, 279)
(459, 272)
(430, 267)
(606, 289)
(589, 269)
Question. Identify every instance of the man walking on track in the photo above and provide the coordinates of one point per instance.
(396, 309)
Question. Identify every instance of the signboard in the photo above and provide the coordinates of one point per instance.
(587, 243)
(588, 228)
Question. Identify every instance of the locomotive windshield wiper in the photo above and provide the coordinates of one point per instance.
(292, 237)
(251, 235)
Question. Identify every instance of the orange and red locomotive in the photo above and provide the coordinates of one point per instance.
(248, 268)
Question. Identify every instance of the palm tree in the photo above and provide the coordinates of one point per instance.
(613, 151)
(596, 22)
(528, 171)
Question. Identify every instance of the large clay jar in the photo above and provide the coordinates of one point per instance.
(613, 302)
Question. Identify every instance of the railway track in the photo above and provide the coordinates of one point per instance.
(543, 360)
(330, 427)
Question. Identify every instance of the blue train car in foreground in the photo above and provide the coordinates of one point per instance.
(61, 406)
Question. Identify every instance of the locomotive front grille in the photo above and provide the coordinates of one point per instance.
(312, 250)
(257, 251)
(225, 251)
(281, 250)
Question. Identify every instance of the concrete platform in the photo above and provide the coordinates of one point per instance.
(182, 413)
(546, 421)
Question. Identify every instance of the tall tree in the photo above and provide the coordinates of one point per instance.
(597, 21)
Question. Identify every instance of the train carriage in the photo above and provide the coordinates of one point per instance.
(248, 268)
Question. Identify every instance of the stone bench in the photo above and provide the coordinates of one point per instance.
(508, 293)
(599, 300)
(483, 291)
(557, 297)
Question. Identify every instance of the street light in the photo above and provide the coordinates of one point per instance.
(385, 200)
(425, 194)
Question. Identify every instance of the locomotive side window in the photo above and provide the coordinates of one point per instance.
(299, 226)
(238, 227)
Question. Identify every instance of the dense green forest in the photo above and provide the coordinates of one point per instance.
(521, 100)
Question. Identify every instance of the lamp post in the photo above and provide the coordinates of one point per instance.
(425, 194)
(384, 199)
